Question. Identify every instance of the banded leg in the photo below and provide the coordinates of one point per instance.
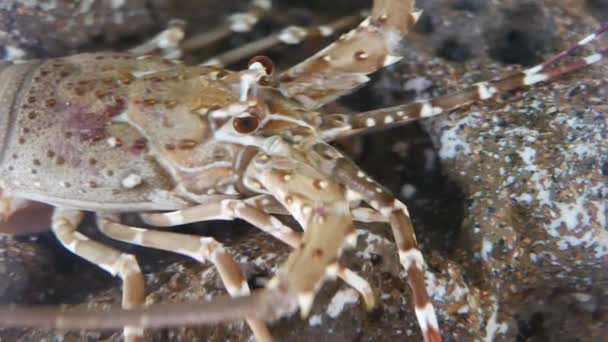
(342, 125)
(167, 42)
(232, 209)
(65, 224)
(348, 174)
(199, 248)
(228, 209)
(236, 23)
(291, 35)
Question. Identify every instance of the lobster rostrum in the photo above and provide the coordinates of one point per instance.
(125, 133)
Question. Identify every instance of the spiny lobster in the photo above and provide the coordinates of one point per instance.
(118, 132)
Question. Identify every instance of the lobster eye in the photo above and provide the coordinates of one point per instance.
(265, 62)
(246, 124)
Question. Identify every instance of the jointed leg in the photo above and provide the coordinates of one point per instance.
(348, 174)
(199, 248)
(228, 209)
(64, 225)
(256, 216)
(236, 23)
(291, 35)
(270, 205)
(167, 42)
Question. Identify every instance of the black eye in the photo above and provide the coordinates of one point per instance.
(246, 124)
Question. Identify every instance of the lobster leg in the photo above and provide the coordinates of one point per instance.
(171, 42)
(319, 206)
(348, 174)
(228, 209)
(262, 220)
(236, 23)
(167, 42)
(65, 224)
(199, 248)
(291, 35)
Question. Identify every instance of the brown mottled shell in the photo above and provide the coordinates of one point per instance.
(64, 141)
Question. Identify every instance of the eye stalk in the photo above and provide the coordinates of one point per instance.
(246, 123)
(268, 66)
(265, 62)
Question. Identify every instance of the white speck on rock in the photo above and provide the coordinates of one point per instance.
(408, 191)
(528, 155)
(453, 141)
(373, 242)
(583, 214)
(486, 249)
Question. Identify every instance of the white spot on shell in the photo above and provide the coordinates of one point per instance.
(428, 110)
(534, 78)
(305, 301)
(370, 122)
(112, 141)
(365, 23)
(390, 59)
(131, 181)
(139, 74)
(416, 15)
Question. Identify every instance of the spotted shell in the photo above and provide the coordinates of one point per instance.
(109, 132)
